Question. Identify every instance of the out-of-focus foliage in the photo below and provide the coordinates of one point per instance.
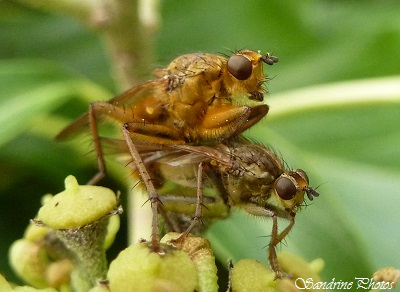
(51, 67)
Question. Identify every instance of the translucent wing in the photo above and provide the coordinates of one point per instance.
(116, 110)
(172, 155)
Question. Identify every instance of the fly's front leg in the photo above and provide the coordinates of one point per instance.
(273, 259)
(152, 192)
(275, 239)
(256, 114)
(229, 121)
(275, 236)
(285, 232)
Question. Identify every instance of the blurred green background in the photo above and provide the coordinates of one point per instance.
(345, 135)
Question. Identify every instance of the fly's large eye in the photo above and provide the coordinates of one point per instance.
(240, 67)
(285, 188)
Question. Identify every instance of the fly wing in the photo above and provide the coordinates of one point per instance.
(174, 172)
(173, 165)
(113, 109)
(190, 65)
(153, 153)
(79, 126)
(137, 94)
(219, 153)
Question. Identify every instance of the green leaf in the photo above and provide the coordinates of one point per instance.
(33, 89)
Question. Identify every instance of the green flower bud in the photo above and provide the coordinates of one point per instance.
(58, 273)
(34, 232)
(199, 250)
(112, 229)
(29, 261)
(77, 205)
(251, 275)
(32, 263)
(389, 275)
(299, 268)
(138, 268)
(79, 217)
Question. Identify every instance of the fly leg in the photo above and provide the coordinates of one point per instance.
(229, 121)
(96, 110)
(273, 260)
(153, 195)
(275, 239)
(153, 133)
(97, 148)
(141, 131)
(285, 232)
(199, 204)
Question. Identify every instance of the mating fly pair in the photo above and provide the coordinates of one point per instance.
(188, 122)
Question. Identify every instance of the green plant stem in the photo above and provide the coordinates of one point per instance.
(367, 91)
(128, 36)
(129, 42)
(86, 245)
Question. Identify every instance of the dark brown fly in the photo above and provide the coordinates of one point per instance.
(205, 182)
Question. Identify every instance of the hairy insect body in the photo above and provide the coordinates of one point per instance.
(236, 174)
(198, 99)
(181, 133)
(203, 96)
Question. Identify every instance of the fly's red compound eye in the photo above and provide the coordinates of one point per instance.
(240, 67)
(285, 188)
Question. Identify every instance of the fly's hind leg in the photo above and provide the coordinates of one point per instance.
(151, 190)
(153, 133)
(96, 110)
(97, 147)
(199, 204)
(138, 130)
